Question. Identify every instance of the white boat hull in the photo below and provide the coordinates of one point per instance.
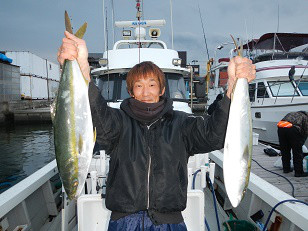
(266, 126)
(21, 199)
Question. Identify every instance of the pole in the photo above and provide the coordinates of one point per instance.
(104, 25)
(191, 87)
(171, 24)
(112, 21)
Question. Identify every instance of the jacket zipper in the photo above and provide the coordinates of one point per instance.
(149, 167)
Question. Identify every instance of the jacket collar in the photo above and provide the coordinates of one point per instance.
(166, 112)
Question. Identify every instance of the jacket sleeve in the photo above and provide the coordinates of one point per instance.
(105, 119)
(203, 134)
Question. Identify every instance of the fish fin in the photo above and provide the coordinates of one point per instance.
(80, 144)
(81, 31)
(94, 137)
(68, 25)
(239, 51)
(53, 109)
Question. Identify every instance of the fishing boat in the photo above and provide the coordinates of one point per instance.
(217, 83)
(111, 76)
(281, 84)
(39, 202)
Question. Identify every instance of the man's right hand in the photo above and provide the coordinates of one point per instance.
(74, 48)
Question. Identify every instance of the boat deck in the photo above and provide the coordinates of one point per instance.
(300, 183)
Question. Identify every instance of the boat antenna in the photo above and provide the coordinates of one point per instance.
(112, 12)
(278, 20)
(247, 39)
(207, 51)
(252, 35)
(142, 10)
(105, 39)
(171, 20)
(275, 35)
(107, 55)
(274, 45)
(138, 16)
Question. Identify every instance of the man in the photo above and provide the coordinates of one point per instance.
(292, 134)
(149, 143)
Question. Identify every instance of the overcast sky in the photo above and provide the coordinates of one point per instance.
(37, 25)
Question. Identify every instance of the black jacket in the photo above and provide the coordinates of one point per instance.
(148, 163)
(299, 119)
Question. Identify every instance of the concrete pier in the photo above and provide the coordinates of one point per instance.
(28, 116)
(25, 112)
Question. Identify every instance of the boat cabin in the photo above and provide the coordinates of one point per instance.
(115, 64)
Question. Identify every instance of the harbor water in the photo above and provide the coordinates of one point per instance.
(23, 150)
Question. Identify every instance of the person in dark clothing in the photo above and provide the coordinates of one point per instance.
(292, 134)
(149, 143)
(212, 107)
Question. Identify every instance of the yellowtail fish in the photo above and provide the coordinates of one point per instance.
(238, 143)
(72, 121)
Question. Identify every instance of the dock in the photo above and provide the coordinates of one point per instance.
(300, 183)
(25, 112)
(38, 115)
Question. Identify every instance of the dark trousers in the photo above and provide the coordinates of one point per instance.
(290, 138)
(140, 221)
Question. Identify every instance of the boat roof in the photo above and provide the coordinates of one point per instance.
(120, 59)
(284, 41)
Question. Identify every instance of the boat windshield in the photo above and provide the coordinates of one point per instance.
(175, 86)
(282, 88)
(113, 86)
(303, 87)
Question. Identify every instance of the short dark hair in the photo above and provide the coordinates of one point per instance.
(142, 71)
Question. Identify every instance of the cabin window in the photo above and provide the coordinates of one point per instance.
(106, 88)
(303, 87)
(282, 88)
(124, 92)
(175, 86)
(252, 92)
(109, 85)
(262, 92)
(113, 87)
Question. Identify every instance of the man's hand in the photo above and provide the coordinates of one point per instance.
(240, 67)
(74, 48)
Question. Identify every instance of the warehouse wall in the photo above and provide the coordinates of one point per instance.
(9, 82)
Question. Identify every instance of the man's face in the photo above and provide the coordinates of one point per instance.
(147, 90)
